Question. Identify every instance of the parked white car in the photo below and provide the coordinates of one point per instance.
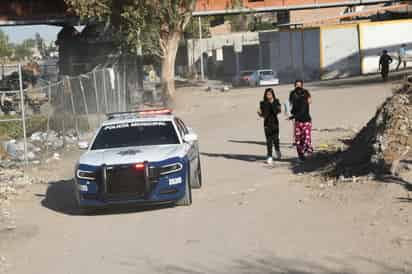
(263, 77)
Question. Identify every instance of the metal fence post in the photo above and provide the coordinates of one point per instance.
(104, 91)
(48, 120)
(76, 122)
(97, 95)
(23, 114)
(125, 84)
(63, 108)
(119, 91)
(86, 108)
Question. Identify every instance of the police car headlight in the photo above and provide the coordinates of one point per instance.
(86, 175)
(167, 169)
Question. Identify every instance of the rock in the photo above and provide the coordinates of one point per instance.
(31, 156)
(70, 139)
(224, 89)
(58, 144)
(56, 156)
(37, 137)
(8, 164)
(51, 136)
(71, 133)
(3, 153)
(11, 149)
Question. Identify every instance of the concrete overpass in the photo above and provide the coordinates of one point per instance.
(54, 12)
(32, 12)
(216, 7)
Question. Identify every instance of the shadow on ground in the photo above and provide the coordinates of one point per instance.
(60, 198)
(260, 143)
(396, 180)
(400, 181)
(243, 157)
(358, 81)
(318, 162)
(274, 265)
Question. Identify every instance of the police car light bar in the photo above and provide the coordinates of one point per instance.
(164, 111)
(161, 111)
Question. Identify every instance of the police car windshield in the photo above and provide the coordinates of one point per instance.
(136, 134)
(266, 73)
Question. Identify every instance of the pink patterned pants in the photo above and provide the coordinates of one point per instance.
(303, 138)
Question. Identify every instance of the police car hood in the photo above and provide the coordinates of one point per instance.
(130, 155)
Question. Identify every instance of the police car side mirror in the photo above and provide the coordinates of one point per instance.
(191, 137)
(83, 145)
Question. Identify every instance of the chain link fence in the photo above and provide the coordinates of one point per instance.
(40, 119)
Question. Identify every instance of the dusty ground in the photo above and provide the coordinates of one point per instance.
(248, 218)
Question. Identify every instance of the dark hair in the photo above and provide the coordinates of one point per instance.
(266, 92)
(298, 81)
(385, 51)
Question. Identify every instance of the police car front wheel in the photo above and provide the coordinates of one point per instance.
(187, 198)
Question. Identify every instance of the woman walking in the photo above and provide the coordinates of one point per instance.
(269, 109)
(303, 122)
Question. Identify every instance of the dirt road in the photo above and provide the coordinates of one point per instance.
(248, 218)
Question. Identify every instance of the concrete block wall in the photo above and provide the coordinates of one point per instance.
(321, 53)
(339, 51)
(293, 54)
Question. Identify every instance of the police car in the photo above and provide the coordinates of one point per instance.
(144, 157)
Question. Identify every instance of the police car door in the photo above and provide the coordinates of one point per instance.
(193, 150)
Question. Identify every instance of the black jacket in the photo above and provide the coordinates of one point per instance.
(300, 105)
(385, 60)
(269, 112)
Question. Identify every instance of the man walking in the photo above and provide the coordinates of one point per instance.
(401, 56)
(384, 61)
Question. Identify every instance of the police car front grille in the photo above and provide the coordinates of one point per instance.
(125, 180)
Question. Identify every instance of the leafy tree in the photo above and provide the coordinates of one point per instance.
(151, 26)
(5, 47)
(25, 49)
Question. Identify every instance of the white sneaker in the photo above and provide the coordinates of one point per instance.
(269, 161)
(278, 154)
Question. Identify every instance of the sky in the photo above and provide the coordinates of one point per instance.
(19, 33)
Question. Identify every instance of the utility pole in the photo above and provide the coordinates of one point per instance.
(202, 72)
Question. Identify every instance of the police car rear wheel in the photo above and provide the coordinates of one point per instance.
(187, 199)
(198, 183)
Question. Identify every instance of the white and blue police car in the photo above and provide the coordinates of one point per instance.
(143, 157)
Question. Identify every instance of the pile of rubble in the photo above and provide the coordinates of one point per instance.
(383, 143)
(11, 181)
(40, 146)
(37, 145)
